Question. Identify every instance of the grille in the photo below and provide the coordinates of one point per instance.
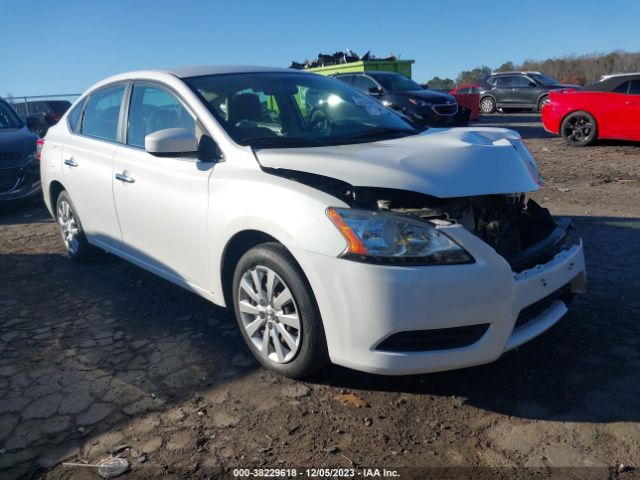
(10, 156)
(9, 179)
(450, 109)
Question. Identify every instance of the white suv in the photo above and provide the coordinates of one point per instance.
(333, 228)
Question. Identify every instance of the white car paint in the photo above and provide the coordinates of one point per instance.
(178, 217)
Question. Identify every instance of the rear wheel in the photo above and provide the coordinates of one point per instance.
(579, 129)
(70, 227)
(487, 105)
(542, 102)
(277, 313)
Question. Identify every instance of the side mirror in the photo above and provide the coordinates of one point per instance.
(375, 90)
(32, 122)
(533, 84)
(171, 141)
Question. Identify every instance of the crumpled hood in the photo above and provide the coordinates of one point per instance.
(17, 140)
(444, 163)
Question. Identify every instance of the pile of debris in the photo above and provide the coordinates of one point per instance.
(338, 58)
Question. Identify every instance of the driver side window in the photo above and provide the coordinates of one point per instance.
(154, 109)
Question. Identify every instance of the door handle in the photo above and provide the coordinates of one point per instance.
(123, 177)
(70, 162)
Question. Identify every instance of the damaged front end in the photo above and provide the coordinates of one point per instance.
(515, 226)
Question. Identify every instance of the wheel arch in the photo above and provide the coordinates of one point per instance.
(240, 243)
(55, 189)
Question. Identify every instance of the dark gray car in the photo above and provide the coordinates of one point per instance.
(517, 90)
(19, 166)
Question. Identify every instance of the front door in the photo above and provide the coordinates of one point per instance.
(161, 201)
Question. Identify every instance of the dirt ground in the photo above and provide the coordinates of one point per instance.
(106, 358)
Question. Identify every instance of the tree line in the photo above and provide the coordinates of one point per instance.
(572, 69)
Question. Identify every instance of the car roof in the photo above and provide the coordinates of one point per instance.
(616, 75)
(202, 70)
(520, 72)
(611, 82)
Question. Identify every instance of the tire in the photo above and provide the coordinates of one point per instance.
(487, 105)
(295, 348)
(542, 102)
(73, 236)
(579, 129)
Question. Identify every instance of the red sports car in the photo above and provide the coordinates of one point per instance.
(468, 96)
(607, 109)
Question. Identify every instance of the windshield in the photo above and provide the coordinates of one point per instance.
(396, 83)
(8, 118)
(278, 110)
(543, 79)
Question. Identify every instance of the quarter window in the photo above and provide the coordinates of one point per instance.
(634, 88)
(623, 88)
(100, 118)
(154, 109)
(74, 117)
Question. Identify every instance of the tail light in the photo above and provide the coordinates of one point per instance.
(39, 145)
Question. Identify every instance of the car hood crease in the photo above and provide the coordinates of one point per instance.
(444, 163)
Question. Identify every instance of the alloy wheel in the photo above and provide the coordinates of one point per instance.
(487, 105)
(269, 314)
(578, 128)
(68, 227)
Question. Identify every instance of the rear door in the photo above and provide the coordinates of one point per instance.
(502, 89)
(162, 208)
(630, 113)
(88, 168)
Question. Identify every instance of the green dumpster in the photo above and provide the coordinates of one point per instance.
(399, 66)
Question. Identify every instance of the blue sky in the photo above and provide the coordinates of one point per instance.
(65, 46)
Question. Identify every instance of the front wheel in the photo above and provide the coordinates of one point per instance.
(579, 129)
(487, 105)
(277, 313)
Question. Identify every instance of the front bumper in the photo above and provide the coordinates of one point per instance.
(362, 305)
(19, 180)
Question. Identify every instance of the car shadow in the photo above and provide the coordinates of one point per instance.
(583, 369)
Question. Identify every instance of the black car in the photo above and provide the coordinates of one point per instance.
(421, 106)
(48, 112)
(517, 90)
(19, 165)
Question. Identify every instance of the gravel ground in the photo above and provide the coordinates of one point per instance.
(105, 358)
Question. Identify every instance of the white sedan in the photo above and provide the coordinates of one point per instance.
(337, 231)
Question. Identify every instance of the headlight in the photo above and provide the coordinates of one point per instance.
(419, 103)
(385, 237)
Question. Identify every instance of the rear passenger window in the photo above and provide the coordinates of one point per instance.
(154, 109)
(634, 88)
(622, 88)
(503, 81)
(100, 118)
(74, 117)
